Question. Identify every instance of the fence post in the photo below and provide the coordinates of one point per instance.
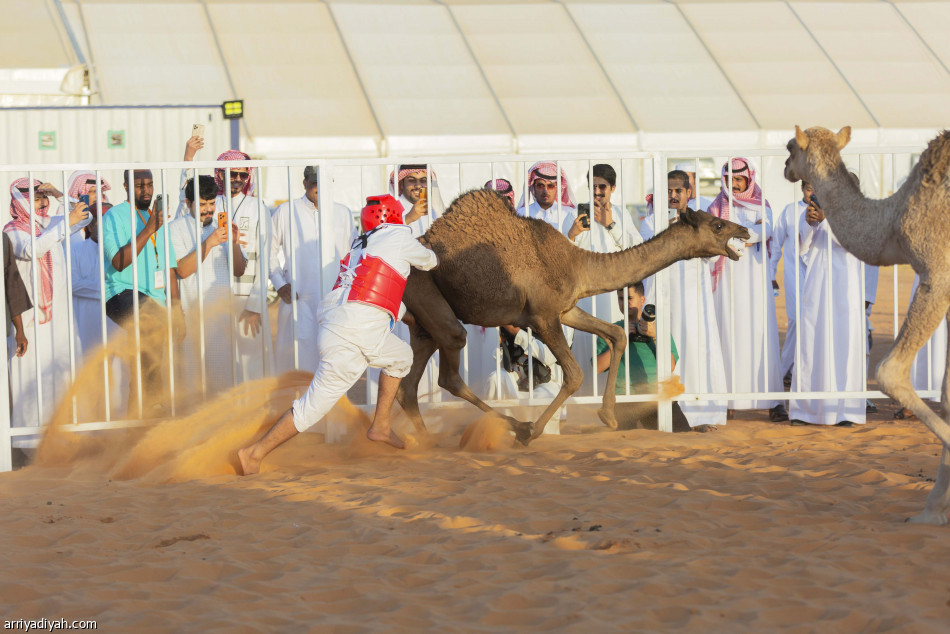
(662, 291)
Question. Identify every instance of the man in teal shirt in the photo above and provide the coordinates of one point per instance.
(641, 349)
(155, 284)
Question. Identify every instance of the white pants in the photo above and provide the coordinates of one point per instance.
(344, 356)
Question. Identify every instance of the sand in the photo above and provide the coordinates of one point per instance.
(756, 527)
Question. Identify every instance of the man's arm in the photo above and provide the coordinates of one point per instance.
(188, 265)
(21, 341)
(123, 258)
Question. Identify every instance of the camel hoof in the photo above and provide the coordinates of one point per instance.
(607, 418)
(928, 517)
(523, 430)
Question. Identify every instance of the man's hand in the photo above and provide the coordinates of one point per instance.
(218, 236)
(155, 220)
(814, 215)
(79, 213)
(192, 146)
(284, 293)
(178, 324)
(511, 330)
(251, 321)
(21, 343)
(237, 236)
(418, 210)
(647, 328)
(49, 190)
(750, 244)
(577, 228)
(603, 214)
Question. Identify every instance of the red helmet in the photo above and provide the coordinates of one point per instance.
(380, 210)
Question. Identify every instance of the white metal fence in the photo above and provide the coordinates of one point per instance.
(349, 182)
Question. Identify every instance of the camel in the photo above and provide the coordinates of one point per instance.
(906, 228)
(497, 268)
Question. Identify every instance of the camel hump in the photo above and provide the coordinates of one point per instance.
(935, 160)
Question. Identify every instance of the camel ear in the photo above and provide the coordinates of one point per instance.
(843, 136)
(690, 218)
(801, 138)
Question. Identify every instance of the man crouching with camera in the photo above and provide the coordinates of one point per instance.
(641, 350)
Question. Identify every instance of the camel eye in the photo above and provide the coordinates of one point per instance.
(719, 226)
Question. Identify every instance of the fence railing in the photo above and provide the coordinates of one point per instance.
(349, 182)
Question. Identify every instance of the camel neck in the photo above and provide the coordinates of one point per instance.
(864, 227)
(604, 272)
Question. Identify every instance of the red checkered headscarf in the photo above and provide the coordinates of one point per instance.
(78, 186)
(404, 171)
(550, 170)
(20, 212)
(234, 155)
(750, 198)
(503, 187)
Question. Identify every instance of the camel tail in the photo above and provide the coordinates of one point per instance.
(935, 161)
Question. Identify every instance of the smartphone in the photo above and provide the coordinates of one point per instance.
(198, 130)
(814, 200)
(159, 204)
(222, 219)
(583, 211)
(84, 199)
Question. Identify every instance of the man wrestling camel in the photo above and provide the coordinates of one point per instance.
(356, 320)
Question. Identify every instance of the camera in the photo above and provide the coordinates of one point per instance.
(648, 313)
(583, 212)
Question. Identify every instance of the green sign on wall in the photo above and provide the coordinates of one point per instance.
(116, 139)
(47, 139)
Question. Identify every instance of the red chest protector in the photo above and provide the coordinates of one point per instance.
(375, 283)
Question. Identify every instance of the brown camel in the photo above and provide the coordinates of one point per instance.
(906, 228)
(497, 268)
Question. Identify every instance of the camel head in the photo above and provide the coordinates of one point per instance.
(712, 234)
(814, 152)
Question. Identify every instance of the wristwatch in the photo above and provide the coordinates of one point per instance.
(611, 226)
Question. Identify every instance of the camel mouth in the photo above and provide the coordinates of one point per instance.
(732, 255)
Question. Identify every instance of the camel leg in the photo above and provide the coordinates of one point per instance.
(893, 373)
(553, 337)
(423, 346)
(617, 341)
(939, 498)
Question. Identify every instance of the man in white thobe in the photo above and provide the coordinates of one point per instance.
(208, 319)
(249, 291)
(832, 326)
(47, 325)
(601, 228)
(783, 247)
(693, 324)
(699, 203)
(296, 228)
(742, 291)
(553, 207)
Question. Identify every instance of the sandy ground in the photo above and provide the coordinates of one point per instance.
(756, 527)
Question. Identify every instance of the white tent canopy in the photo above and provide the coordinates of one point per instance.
(410, 77)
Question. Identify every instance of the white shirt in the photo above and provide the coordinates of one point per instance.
(215, 273)
(304, 224)
(550, 215)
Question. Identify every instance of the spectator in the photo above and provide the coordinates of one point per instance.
(833, 324)
(749, 332)
(356, 319)
(693, 323)
(87, 293)
(503, 187)
(699, 203)
(417, 195)
(870, 295)
(153, 288)
(216, 276)
(784, 239)
(253, 220)
(548, 206)
(17, 300)
(297, 223)
(604, 228)
(39, 252)
(641, 350)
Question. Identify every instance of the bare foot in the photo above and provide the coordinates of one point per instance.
(390, 439)
(702, 429)
(249, 465)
